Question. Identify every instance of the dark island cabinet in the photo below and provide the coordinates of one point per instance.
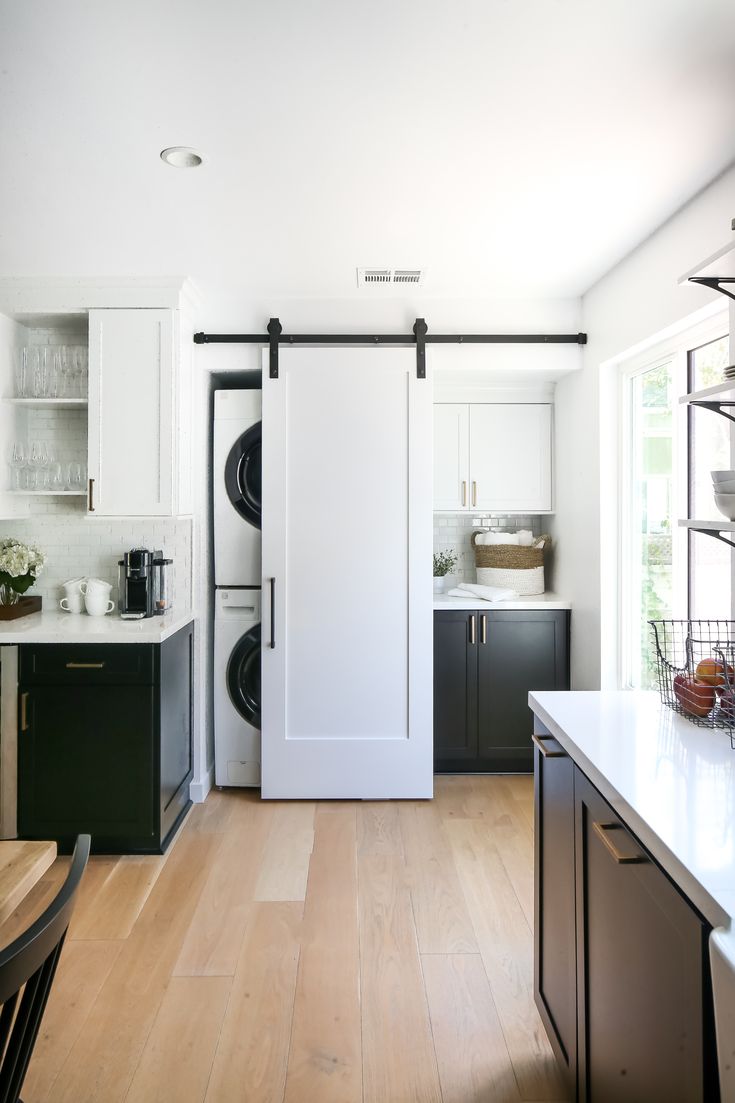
(486, 661)
(644, 1015)
(104, 742)
(555, 945)
(622, 978)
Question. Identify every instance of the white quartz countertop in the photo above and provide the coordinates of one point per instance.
(543, 601)
(56, 626)
(673, 784)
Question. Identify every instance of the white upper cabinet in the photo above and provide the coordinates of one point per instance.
(135, 398)
(510, 457)
(451, 455)
(500, 452)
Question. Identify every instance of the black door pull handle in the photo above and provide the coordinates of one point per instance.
(273, 613)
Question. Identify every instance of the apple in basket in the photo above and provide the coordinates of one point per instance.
(694, 697)
(712, 673)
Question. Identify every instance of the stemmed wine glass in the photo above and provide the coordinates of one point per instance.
(38, 462)
(18, 460)
(20, 364)
(81, 360)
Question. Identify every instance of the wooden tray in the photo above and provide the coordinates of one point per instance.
(22, 608)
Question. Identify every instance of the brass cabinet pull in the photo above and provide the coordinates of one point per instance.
(601, 830)
(91, 495)
(483, 628)
(547, 751)
(464, 493)
(474, 493)
(84, 666)
(472, 628)
(24, 712)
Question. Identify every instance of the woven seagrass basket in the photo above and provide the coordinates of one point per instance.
(508, 565)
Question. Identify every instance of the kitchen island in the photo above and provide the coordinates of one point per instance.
(635, 880)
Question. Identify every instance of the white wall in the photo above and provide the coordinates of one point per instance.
(637, 300)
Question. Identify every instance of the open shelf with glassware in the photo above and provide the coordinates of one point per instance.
(45, 402)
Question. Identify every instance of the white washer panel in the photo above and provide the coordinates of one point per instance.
(236, 743)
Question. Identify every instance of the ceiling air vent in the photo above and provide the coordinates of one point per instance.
(389, 277)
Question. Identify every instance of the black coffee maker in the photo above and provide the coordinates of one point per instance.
(143, 589)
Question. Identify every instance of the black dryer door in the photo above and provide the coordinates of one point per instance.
(243, 676)
(243, 474)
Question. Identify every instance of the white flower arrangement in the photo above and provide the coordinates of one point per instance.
(20, 566)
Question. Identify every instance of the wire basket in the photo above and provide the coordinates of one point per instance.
(695, 664)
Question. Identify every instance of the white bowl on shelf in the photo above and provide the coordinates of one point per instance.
(726, 505)
(722, 477)
(725, 488)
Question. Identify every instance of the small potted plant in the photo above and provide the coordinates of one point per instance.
(20, 566)
(444, 563)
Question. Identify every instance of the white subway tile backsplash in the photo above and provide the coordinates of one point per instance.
(80, 546)
(453, 532)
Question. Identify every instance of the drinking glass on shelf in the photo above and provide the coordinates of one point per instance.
(50, 371)
(17, 462)
(20, 367)
(35, 372)
(55, 476)
(74, 475)
(65, 373)
(39, 455)
(82, 363)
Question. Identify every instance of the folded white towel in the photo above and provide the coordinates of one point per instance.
(487, 593)
(455, 593)
(525, 538)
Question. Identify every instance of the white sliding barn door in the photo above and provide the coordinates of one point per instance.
(347, 539)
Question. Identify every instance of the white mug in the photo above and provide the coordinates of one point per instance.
(72, 603)
(98, 606)
(96, 586)
(73, 586)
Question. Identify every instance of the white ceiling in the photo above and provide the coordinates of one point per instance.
(513, 147)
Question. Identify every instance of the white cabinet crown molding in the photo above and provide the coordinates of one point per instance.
(73, 295)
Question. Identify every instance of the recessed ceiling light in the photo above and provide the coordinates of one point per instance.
(182, 157)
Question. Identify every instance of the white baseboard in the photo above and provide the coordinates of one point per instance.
(198, 789)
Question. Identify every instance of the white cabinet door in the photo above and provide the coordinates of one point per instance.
(131, 412)
(347, 604)
(510, 457)
(451, 456)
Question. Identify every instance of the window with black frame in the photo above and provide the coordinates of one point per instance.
(669, 451)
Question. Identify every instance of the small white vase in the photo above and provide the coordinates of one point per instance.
(439, 585)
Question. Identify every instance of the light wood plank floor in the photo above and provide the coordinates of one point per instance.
(328, 952)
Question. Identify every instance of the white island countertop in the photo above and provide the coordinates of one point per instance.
(55, 626)
(673, 784)
(543, 601)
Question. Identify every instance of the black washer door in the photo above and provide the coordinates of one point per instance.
(243, 676)
(243, 474)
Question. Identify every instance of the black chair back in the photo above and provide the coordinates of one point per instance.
(27, 968)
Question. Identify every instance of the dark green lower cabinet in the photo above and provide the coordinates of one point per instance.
(622, 978)
(104, 743)
(485, 663)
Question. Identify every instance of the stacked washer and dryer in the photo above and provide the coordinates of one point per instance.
(237, 577)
